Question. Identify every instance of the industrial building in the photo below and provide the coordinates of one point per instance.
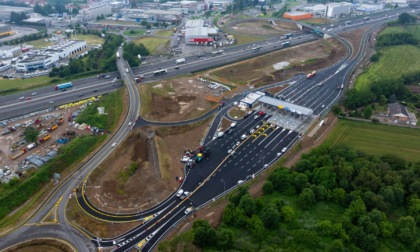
(335, 10)
(152, 15)
(36, 62)
(5, 31)
(318, 9)
(68, 49)
(5, 11)
(370, 7)
(193, 23)
(96, 10)
(10, 51)
(297, 15)
(199, 35)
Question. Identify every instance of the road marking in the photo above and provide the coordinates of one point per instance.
(254, 165)
(236, 163)
(240, 160)
(247, 162)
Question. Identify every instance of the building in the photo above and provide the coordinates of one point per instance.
(163, 15)
(36, 62)
(68, 49)
(10, 51)
(318, 9)
(192, 23)
(198, 35)
(5, 31)
(96, 10)
(370, 7)
(335, 10)
(250, 100)
(297, 15)
(5, 11)
(399, 114)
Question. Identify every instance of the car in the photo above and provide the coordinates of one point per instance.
(21, 98)
(179, 193)
(230, 131)
(96, 90)
(149, 237)
(251, 131)
(233, 125)
(114, 144)
(284, 149)
(185, 194)
(243, 137)
(237, 143)
(80, 95)
(248, 177)
(130, 123)
(278, 154)
(176, 67)
(230, 151)
(257, 127)
(323, 106)
(256, 117)
(220, 134)
(28, 98)
(240, 182)
(185, 159)
(107, 76)
(34, 93)
(189, 210)
(51, 102)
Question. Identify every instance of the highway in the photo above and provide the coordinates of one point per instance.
(206, 180)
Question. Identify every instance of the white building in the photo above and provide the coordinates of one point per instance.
(96, 10)
(318, 9)
(192, 23)
(69, 49)
(36, 62)
(370, 7)
(10, 51)
(335, 10)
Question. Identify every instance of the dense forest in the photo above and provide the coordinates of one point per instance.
(333, 199)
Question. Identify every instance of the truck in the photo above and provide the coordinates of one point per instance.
(21, 152)
(202, 153)
(52, 128)
(285, 44)
(288, 35)
(64, 86)
(311, 75)
(366, 18)
(45, 138)
(62, 140)
(59, 121)
(30, 146)
(180, 61)
(118, 55)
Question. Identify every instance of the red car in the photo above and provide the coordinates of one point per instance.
(28, 98)
(261, 113)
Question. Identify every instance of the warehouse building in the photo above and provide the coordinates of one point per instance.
(96, 10)
(297, 15)
(318, 9)
(69, 49)
(335, 10)
(194, 23)
(36, 62)
(198, 35)
(10, 51)
(370, 7)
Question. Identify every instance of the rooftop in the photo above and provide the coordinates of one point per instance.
(285, 105)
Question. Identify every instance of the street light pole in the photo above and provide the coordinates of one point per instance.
(224, 188)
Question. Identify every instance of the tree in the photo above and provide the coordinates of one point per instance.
(367, 112)
(306, 198)
(382, 100)
(336, 246)
(248, 204)
(404, 18)
(336, 109)
(204, 234)
(356, 209)
(31, 134)
(288, 214)
(406, 229)
(256, 227)
(270, 216)
(224, 238)
(300, 181)
(268, 188)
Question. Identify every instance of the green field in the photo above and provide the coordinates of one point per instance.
(167, 33)
(24, 83)
(394, 62)
(136, 33)
(378, 139)
(153, 44)
(39, 43)
(90, 39)
(413, 29)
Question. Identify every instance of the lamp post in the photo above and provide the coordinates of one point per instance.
(224, 188)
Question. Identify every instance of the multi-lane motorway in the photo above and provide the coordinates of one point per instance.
(206, 180)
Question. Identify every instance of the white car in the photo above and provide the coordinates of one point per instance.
(114, 144)
(189, 210)
(284, 149)
(185, 194)
(21, 98)
(233, 125)
(51, 102)
(179, 193)
(34, 93)
(185, 159)
(256, 117)
(229, 151)
(251, 131)
(240, 182)
(129, 124)
(257, 127)
(243, 137)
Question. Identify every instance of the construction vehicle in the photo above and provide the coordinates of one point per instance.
(311, 75)
(45, 138)
(52, 128)
(22, 151)
(59, 121)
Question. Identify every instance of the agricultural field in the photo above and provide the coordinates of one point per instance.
(394, 62)
(378, 139)
(167, 33)
(90, 39)
(153, 44)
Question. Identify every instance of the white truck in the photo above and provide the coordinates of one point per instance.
(180, 61)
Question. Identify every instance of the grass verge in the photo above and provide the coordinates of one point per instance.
(153, 44)
(167, 33)
(378, 139)
(134, 33)
(39, 43)
(90, 39)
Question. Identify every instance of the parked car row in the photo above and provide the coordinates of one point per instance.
(35, 74)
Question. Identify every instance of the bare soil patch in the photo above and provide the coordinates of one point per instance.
(303, 58)
(113, 188)
(264, 28)
(175, 100)
(275, 90)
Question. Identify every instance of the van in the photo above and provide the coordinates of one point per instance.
(233, 125)
(220, 134)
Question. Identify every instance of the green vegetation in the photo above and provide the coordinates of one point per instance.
(90, 39)
(131, 51)
(134, 33)
(153, 44)
(39, 43)
(167, 33)
(240, 40)
(334, 199)
(113, 108)
(124, 175)
(68, 156)
(378, 139)
(31, 134)
(16, 84)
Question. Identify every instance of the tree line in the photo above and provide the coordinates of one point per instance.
(131, 51)
(354, 201)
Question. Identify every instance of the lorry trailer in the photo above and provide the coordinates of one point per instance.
(64, 86)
